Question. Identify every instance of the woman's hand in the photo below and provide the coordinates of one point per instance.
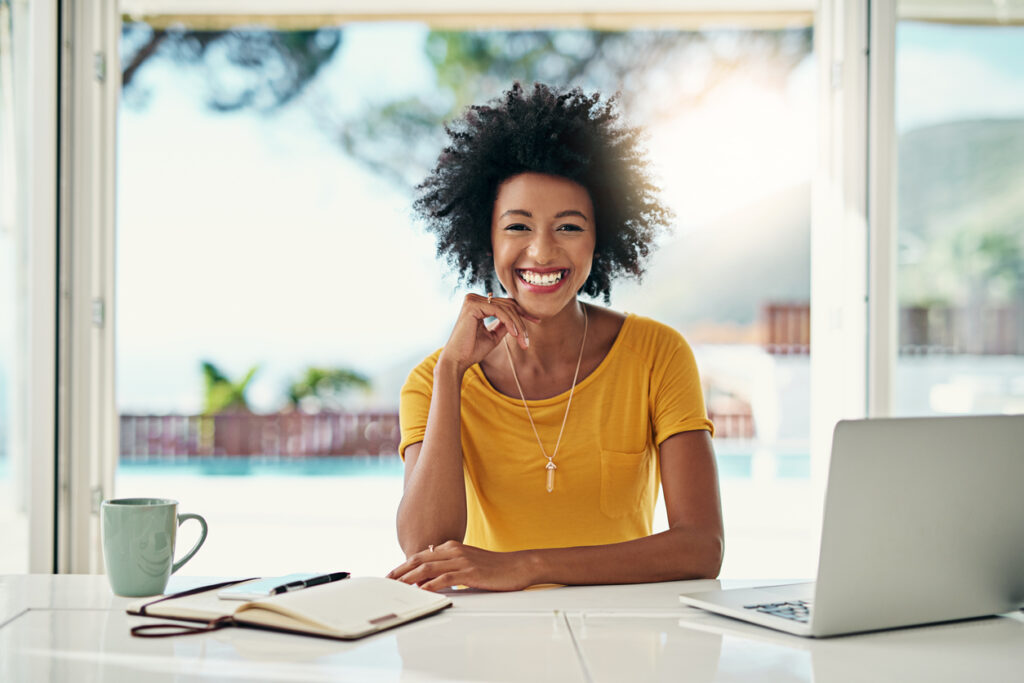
(471, 340)
(456, 564)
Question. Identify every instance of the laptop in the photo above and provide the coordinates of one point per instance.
(924, 522)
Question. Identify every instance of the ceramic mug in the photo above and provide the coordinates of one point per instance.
(138, 543)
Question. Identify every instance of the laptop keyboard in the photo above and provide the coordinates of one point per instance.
(797, 610)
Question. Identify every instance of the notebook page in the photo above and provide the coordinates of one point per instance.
(349, 606)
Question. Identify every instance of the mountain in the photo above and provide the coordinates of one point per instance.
(948, 169)
(961, 213)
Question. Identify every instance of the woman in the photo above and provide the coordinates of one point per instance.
(534, 440)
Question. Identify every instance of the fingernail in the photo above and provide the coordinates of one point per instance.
(515, 332)
(527, 337)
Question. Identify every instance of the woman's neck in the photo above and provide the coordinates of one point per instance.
(554, 341)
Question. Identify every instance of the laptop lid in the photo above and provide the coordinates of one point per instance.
(924, 522)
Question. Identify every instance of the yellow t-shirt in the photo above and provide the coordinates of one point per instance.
(644, 391)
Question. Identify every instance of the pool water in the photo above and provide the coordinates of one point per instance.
(730, 466)
(349, 466)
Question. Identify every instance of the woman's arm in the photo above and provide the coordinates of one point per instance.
(433, 506)
(691, 548)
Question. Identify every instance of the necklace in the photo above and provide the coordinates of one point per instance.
(551, 467)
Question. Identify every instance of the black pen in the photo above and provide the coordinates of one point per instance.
(307, 583)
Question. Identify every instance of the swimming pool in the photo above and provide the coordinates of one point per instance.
(731, 465)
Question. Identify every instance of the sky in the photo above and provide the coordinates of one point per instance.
(250, 240)
(948, 73)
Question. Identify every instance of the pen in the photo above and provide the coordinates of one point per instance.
(307, 583)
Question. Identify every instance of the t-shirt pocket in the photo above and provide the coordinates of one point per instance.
(624, 481)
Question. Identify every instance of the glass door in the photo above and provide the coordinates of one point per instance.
(960, 124)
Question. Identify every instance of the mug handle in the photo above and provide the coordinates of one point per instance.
(199, 544)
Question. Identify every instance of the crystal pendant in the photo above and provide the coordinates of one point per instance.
(551, 476)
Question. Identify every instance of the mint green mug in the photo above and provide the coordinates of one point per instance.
(138, 543)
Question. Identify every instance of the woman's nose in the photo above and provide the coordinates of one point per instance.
(542, 248)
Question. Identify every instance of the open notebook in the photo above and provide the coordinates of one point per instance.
(347, 609)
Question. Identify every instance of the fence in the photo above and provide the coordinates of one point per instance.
(787, 328)
(242, 434)
(733, 425)
(984, 330)
(295, 435)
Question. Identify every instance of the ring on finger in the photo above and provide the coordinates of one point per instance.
(490, 295)
(430, 547)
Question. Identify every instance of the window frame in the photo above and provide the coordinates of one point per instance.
(41, 174)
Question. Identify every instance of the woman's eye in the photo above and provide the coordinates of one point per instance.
(569, 227)
(516, 226)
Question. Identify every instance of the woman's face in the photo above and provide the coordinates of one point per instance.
(543, 237)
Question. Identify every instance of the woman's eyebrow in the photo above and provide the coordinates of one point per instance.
(560, 214)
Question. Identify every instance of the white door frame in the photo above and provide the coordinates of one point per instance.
(41, 212)
(881, 173)
(87, 435)
(853, 243)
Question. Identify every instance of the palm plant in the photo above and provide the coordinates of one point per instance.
(222, 394)
(319, 388)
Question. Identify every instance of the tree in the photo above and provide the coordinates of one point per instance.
(246, 68)
(657, 72)
(324, 388)
(223, 394)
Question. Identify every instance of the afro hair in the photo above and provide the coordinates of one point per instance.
(563, 133)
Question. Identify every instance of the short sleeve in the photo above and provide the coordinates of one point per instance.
(677, 400)
(414, 404)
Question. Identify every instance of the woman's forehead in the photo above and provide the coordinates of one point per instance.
(541, 192)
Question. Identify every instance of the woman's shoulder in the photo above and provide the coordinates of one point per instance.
(647, 335)
(423, 373)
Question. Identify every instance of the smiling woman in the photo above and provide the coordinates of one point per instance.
(570, 206)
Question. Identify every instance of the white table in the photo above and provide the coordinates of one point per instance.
(71, 628)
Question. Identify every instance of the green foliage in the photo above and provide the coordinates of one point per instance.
(656, 72)
(222, 394)
(246, 68)
(961, 214)
(325, 388)
(400, 140)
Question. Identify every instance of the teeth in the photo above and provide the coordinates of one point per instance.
(542, 279)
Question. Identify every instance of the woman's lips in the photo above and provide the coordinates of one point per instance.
(541, 276)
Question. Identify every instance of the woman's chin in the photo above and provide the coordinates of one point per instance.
(544, 310)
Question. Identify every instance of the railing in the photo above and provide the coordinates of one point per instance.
(296, 435)
(241, 434)
(985, 330)
(786, 328)
(733, 425)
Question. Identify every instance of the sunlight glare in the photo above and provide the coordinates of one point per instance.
(743, 143)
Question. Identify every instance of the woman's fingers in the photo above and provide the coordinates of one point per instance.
(472, 338)
(411, 563)
(427, 571)
(433, 554)
(446, 580)
(497, 308)
(510, 315)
